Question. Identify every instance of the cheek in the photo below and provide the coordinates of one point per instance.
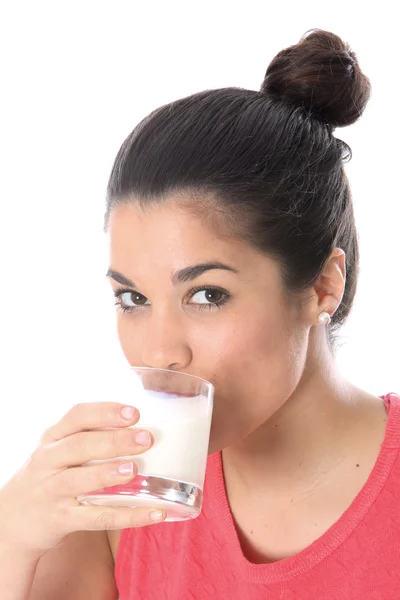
(257, 368)
(254, 362)
(128, 336)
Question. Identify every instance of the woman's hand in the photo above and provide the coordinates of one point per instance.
(38, 505)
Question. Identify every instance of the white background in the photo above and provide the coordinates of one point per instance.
(75, 79)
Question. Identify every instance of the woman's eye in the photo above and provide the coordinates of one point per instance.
(209, 297)
(124, 297)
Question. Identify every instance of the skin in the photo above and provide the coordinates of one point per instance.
(284, 415)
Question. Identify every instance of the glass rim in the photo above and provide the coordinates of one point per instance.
(174, 372)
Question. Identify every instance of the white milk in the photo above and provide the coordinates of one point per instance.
(179, 452)
(181, 430)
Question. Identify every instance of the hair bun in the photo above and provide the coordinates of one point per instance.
(322, 74)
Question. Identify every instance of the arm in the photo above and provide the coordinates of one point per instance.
(16, 573)
(81, 568)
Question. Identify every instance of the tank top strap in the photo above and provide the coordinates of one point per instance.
(392, 404)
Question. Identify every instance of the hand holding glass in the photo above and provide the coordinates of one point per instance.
(177, 409)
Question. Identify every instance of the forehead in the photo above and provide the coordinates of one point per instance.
(167, 228)
(155, 241)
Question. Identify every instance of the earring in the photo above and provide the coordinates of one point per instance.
(324, 318)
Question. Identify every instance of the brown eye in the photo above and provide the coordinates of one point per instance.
(138, 298)
(209, 297)
(124, 299)
(213, 295)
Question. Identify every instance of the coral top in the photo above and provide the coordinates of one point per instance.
(358, 558)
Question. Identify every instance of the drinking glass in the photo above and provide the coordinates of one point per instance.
(177, 409)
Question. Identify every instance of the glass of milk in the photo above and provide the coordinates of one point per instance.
(177, 409)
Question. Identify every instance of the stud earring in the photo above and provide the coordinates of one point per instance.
(324, 318)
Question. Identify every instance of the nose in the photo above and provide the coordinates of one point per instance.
(165, 345)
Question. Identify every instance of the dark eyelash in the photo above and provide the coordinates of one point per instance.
(203, 288)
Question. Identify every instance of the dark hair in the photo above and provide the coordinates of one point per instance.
(267, 160)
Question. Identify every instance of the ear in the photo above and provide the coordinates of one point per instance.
(330, 285)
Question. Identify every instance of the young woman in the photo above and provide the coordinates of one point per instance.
(233, 257)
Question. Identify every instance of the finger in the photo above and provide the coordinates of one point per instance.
(81, 480)
(95, 518)
(84, 446)
(90, 415)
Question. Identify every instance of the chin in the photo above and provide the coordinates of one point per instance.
(214, 447)
(219, 441)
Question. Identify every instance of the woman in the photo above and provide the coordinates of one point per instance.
(246, 192)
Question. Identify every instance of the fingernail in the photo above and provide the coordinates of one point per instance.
(125, 468)
(156, 515)
(143, 438)
(128, 413)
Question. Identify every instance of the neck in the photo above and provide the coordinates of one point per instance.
(311, 434)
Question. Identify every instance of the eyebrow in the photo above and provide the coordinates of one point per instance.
(181, 276)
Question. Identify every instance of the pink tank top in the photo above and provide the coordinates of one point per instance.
(358, 558)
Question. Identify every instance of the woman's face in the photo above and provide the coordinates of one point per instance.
(240, 333)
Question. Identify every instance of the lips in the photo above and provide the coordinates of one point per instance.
(173, 383)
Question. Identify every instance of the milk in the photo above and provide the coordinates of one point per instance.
(179, 452)
(181, 429)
